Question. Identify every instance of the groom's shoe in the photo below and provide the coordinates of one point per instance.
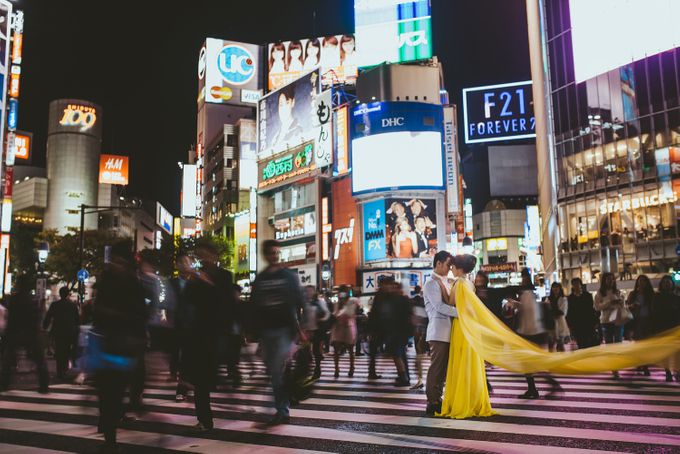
(530, 394)
(431, 409)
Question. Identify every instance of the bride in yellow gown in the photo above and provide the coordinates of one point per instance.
(466, 394)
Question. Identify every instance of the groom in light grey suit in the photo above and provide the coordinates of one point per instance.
(440, 316)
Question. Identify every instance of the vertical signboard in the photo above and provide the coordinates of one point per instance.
(164, 219)
(341, 166)
(374, 230)
(189, 181)
(323, 108)
(451, 156)
(5, 31)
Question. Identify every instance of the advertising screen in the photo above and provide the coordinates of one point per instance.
(164, 218)
(336, 57)
(295, 227)
(286, 117)
(617, 22)
(341, 161)
(499, 112)
(247, 145)
(189, 199)
(242, 239)
(392, 31)
(411, 228)
(229, 72)
(113, 169)
(374, 230)
(23, 146)
(401, 139)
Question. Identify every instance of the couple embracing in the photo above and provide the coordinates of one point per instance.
(453, 361)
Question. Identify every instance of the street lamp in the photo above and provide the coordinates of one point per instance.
(43, 252)
(41, 281)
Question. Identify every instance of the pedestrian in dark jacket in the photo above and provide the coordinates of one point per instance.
(277, 299)
(23, 323)
(119, 330)
(181, 317)
(581, 316)
(400, 329)
(665, 315)
(64, 322)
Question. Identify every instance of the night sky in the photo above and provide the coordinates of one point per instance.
(138, 61)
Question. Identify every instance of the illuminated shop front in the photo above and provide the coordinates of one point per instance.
(616, 127)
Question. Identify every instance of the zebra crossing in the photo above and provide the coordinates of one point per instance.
(594, 414)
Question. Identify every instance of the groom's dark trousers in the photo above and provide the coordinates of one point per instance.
(436, 375)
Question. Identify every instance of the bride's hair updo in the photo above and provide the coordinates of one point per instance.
(465, 262)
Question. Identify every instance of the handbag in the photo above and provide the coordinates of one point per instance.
(98, 359)
(623, 315)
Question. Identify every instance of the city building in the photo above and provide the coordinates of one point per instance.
(73, 147)
(608, 157)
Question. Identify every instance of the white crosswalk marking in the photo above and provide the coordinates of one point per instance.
(595, 414)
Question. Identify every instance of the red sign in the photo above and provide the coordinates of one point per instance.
(113, 169)
(500, 268)
(23, 146)
(8, 184)
(14, 85)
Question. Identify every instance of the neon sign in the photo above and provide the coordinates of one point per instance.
(80, 116)
(281, 169)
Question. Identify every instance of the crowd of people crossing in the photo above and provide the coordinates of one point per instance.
(201, 320)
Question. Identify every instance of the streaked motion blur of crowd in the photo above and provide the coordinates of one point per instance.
(200, 320)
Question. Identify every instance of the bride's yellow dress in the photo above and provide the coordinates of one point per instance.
(465, 393)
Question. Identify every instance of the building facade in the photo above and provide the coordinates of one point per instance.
(73, 145)
(616, 143)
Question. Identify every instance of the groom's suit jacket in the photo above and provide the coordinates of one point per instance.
(438, 313)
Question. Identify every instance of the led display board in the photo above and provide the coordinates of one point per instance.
(229, 72)
(392, 31)
(163, 218)
(374, 230)
(341, 161)
(189, 194)
(287, 117)
(617, 23)
(242, 240)
(336, 56)
(114, 169)
(499, 112)
(397, 145)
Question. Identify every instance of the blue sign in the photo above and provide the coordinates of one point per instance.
(499, 112)
(374, 231)
(677, 249)
(83, 275)
(12, 114)
(236, 64)
(397, 145)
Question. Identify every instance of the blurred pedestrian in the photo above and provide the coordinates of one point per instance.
(581, 316)
(344, 331)
(377, 327)
(440, 314)
(63, 321)
(419, 333)
(227, 312)
(23, 325)
(316, 318)
(610, 303)
(399, 329)
(277, 298)
(665, 315)
(554, 317)
(118, 335)
(182, 322)
(491, 297)
(202, 328)
(639, 302)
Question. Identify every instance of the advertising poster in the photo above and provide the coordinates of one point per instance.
(242, 240)
(23, 146)
(341, 166)
(403, 140)
(286, 117)
(452, 174)
(374, 230)
(286, 167)
(164, 218)
(247, 137)
(114, 169)
(411, 228)
(408, 279)
(335, 56)
(229, 72)
(189, 196)
(393, 31)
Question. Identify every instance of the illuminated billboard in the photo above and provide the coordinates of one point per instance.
(114, 169)
(189, 182)
(287, 167)
(499, 112)
(341, 161)
(336, 56)
(247, 146)
(5, 15)
(164, 219)
(617, 23)
(397, 145)
(242, 240)
(393, 31)
(286, 117)
(229, 72)
(23, 142)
